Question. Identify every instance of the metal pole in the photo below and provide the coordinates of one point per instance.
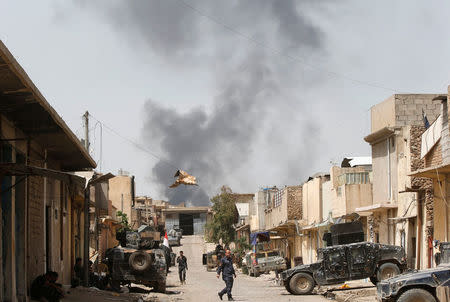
(86, 236)
(86, 130)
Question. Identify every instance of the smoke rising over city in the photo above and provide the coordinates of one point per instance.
(215, 143)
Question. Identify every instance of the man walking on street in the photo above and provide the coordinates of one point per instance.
(227, 269)
(182, 267)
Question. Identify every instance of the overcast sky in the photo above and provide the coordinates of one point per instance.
(242, 93)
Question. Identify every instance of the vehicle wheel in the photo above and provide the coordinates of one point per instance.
(160, 287)
(416, 294)
(387, 270)
(301, 284)
(374, 280)
(250, 273)
(140, 261)
(256, 273)
(289, 289)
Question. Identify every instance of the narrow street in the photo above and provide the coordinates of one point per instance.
(203, 286)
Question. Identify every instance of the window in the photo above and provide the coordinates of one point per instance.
(354, 178)
(339, 191)
(260, 255)
(272, 254)
(277, 198)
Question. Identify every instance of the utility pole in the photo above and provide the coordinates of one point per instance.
(86, 130)
(86, 209)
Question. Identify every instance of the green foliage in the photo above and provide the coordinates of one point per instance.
(123, 219)
(225, 213)
(241, 247)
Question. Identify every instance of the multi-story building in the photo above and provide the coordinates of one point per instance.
(435, 152)
(282, 215)
(42, 205)
(351, 187)
(397, 214)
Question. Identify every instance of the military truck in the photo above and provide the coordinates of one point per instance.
(340, 263)
(418, 285)
(212, 259)
(137, 260)
(264, 262)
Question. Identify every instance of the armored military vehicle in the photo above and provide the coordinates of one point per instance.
(137, 260)
(418, 285)
(264, 262)
(340, 263)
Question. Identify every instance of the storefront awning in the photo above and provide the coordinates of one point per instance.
(13, 169)
(378, 207)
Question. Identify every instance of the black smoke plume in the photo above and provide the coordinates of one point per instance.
(256, 101)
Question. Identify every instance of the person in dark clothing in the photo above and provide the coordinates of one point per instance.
(45, 287)
(227, 270)
(182, 267)
(79, 273)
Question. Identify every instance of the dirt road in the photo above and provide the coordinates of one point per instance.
(203, 286)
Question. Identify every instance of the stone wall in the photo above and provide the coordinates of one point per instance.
(421, 183)
(294, 202)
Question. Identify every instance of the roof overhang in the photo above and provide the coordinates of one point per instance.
(187, 210)
(12, 169)
(243, 227)
(24, 105)
(438, 172)
(381, 134)
(102, 178)
(377, 207)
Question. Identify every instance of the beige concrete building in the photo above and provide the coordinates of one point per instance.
(313, 220)
(41, 204)
(398, 212)
(351, 187)
(282, 216)
(121, 193)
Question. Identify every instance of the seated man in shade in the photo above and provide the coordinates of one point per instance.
(45, 288)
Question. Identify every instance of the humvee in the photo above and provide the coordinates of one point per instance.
(264, 262)
(138, 259)
(419, 285)
(340, 263)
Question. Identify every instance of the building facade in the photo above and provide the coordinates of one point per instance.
(42, 205)
(398, 212)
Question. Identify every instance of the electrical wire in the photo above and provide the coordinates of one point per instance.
(139, 146)
(278, 52)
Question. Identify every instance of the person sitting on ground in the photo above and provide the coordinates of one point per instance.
(45, 288)
(79, 272)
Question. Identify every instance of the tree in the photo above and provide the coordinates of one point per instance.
(123, 220)
(225, 215)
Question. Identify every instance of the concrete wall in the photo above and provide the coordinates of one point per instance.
(120, 194)
(312, 200)
(257, 212)
(275, 216)
(326, 199)
(383, 114)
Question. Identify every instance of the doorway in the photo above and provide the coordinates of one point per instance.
(187, 224)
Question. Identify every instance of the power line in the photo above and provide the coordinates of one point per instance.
(278, 52)
(139, 146)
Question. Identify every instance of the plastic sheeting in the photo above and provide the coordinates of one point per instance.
(258, 237)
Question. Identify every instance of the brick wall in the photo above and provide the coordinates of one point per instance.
(424, 184)
(294, 202)
(434, 156)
